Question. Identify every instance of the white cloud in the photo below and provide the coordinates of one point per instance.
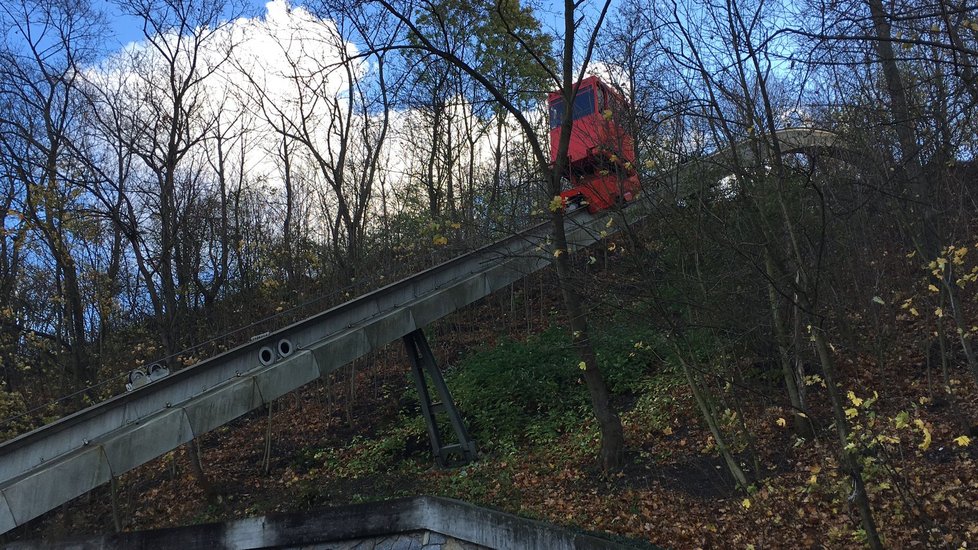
(288, 53)
(296, 59)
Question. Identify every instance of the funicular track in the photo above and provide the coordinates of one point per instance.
(55, 463)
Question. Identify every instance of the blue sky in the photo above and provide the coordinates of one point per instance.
(125, 29)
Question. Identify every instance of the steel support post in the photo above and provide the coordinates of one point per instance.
(423, 363)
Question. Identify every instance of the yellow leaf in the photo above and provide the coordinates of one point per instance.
(925, 444)
(781, 422)
(612, 247)
(933, 288)
(935, 28)
(607, 114)
(556, 203)
(628, 166)
(857, 401)
(912, 254)
(613, 158)
(440, 240)
(914, 312)
(852, 413)
(813, 480)
(745, 503)
(611, 221)
(650, 164)
(962, 441)
(582, 365)
(558, 252)
(959, 255)
(883, 438)
(939, 312)
(667, 430)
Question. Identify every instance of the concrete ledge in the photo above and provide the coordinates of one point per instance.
(451, 518)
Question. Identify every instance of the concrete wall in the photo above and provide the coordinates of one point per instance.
(404, 524)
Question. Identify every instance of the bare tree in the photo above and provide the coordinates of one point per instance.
(339, 117)
(168, 120)
(39, 80)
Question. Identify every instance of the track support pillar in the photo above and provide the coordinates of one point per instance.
(425, 371)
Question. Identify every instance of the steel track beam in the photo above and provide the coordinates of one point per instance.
(55, 463)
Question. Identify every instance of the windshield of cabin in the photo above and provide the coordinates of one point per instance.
(583, 106)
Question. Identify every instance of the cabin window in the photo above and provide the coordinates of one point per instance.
(583, 106)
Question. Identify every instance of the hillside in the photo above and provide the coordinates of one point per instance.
(360, 437)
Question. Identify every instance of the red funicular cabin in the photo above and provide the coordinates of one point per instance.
(601, 153)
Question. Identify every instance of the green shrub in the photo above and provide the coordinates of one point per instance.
(534, 389)
(520, 389)
(628, 355)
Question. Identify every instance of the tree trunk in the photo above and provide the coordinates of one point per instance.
(802, 424)
(850, 460)
(921, 213)
(612, 436)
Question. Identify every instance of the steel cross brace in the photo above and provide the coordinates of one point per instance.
(423, 362)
